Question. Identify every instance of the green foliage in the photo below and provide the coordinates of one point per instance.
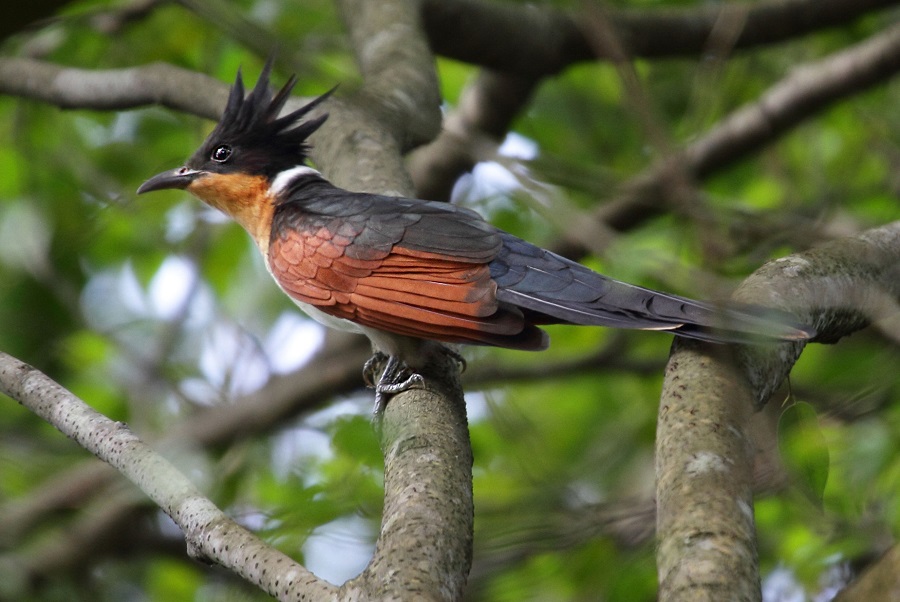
(172, 580)
(804, 450)
(561, 462)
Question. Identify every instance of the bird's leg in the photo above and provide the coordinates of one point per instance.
(372, 367)
(458, 358)
(396, 378)
(391, 383)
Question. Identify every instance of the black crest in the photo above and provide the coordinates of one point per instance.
(257, 139)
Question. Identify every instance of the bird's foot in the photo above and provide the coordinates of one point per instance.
(372, 367)
(384, 392)
(458, 358)
(413, 381)
(396, 378)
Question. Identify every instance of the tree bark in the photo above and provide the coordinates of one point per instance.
(707, 548)
(705, 529)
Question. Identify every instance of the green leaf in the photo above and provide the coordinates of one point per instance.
(804, 449)
(172, 580)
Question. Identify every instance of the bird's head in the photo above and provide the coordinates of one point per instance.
(234, 167)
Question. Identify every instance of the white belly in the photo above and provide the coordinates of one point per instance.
(328, 320)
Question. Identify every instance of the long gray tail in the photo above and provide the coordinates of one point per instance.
(553, 290)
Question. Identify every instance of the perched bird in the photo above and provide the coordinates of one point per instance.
(413, 274)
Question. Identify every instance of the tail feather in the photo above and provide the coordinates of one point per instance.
(557, 290)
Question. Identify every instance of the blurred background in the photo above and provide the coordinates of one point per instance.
(159, 313)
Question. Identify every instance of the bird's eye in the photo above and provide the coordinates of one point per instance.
(221, 153)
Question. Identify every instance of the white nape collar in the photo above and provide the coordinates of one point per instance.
(284, 178)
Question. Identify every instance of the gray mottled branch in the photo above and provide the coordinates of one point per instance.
(704, 480)
(534, 40)
(333, 371)
(210, 534)
(397, 65)
(837, 288)
(113, 89)
(706, 540)
(424, 550)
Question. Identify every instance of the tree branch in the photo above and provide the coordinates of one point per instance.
(472, 132)
(398, 67)
(425, 545)
(879, 581)
(705, 531)
(809, 89)
(210, 534)
(536, 41)
(704, 487)
(490, 103)
(335, 370)
(836, 288)
(113, 89)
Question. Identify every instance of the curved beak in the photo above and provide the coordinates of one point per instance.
(180, 178)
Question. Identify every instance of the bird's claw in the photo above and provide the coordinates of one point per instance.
(458, 358)
(384, 391)
(372, 367)
(395, 378)
(413, 381)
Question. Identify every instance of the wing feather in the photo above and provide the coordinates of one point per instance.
(406, 266)
(409, 291)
